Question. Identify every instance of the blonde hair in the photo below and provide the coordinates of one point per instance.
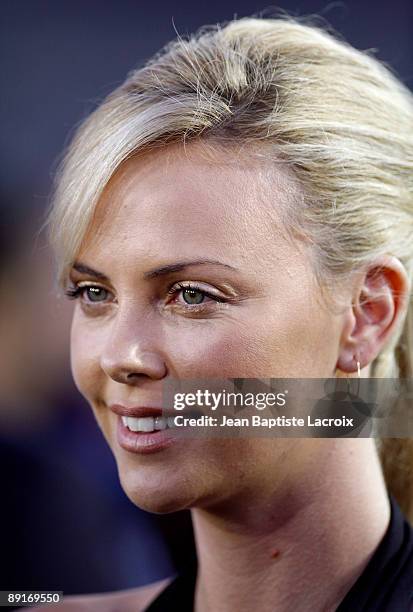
(336, 116)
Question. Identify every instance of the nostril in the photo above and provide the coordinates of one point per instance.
(129, 370)
(135, 376)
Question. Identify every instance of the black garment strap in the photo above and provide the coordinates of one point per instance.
(178, 595)
(386, 584)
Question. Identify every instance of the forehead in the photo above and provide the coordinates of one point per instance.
(179, 201)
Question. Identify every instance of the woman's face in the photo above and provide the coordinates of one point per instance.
(167, 221)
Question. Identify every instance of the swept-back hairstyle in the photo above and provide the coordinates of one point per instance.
(340, 120)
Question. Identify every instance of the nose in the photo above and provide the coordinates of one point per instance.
(131, 352)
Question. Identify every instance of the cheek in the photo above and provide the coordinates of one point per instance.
(222, 349)
(261, 342)
(85, 358)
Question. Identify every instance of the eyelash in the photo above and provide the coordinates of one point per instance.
(76, 291)
(178, 287)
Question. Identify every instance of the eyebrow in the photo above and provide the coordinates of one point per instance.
(84, 269)
(177, 267)
(156, 272)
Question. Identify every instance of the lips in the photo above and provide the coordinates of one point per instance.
(143, 429)
(139, 411)
(144, 443)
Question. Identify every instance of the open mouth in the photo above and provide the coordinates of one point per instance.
(148, 424)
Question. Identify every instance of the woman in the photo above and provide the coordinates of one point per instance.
(242, 206)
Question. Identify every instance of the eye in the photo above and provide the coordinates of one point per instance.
(90, 294)
(192, 295)
(95, 294)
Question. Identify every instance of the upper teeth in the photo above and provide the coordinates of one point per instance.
(147, 424)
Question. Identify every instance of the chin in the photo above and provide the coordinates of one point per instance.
(156, 493)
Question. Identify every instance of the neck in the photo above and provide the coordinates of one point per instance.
(294, 549)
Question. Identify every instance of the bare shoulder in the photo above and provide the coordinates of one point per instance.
(130, 600)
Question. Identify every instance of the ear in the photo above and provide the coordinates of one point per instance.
(379, 305)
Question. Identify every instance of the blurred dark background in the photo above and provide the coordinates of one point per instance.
(65, 523)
